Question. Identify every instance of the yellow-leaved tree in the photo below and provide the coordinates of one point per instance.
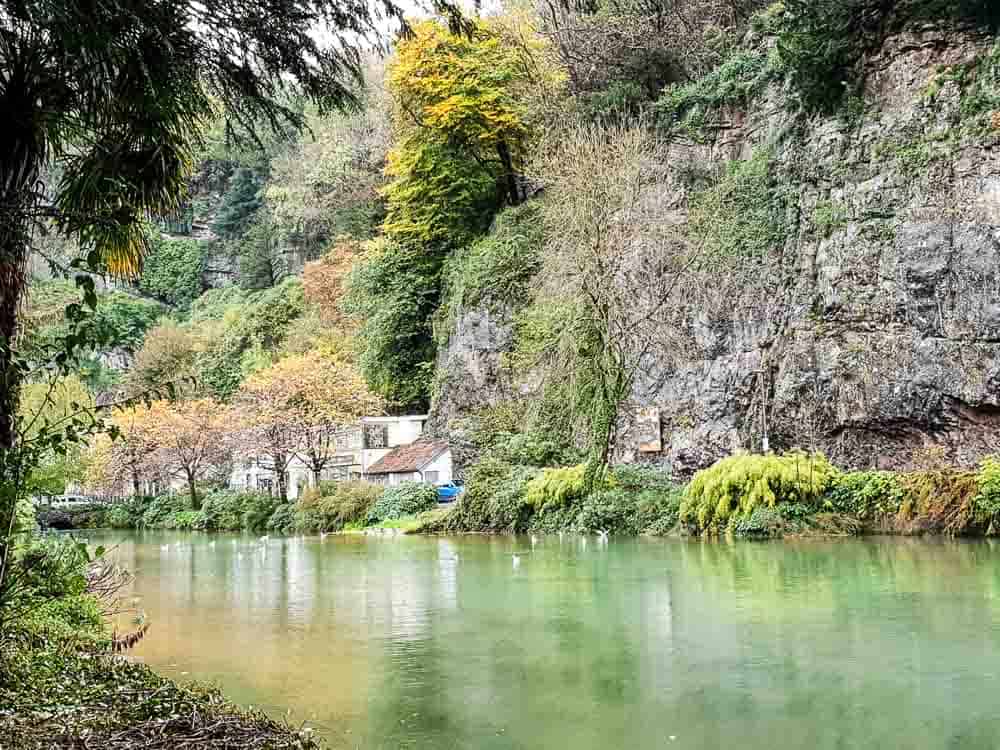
(463, 127)
(297, 406)
(190, 440)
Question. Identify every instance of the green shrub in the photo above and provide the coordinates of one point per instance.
(25, 522)
(344, 503)
(552, 519)
(939, 501)
(495, 269)
(283, 519)
(686, 108)
(627, 511)
(494, 498)
(763, 522)
(637, 477)
(987, 502)
(182, 520)
(258, 508)
(659, 511)
(161, 511)
(394, 290)
(866, 495)
(613, 511)
(620, 100)
(557, 487)
(119, 517)
(255, 325)
(819, 46)
(406, 499)
(173, 269)
(231, 510)
(743, 214)
(735, 486)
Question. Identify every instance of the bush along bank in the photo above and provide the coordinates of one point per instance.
(333, 506)
(747, 496)
(799, 493)
(62, 684)
(507, 498)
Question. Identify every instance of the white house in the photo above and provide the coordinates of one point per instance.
(425, 460)
(361, 451)
(253, 472)
(382, 434)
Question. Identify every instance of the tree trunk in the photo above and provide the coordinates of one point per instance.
(513, 196)
(136, 489)
(279, 470)
(195, 505)
(20, 162)
(317, 472)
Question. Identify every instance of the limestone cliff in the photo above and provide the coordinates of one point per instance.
(874, 330)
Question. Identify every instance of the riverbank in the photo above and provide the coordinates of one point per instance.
(63, 682)
(743, 496)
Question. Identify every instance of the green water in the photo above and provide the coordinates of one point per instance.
(445, 643)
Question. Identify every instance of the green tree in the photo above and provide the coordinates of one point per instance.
(394, 292)
(464, 132)
(173, 269)
(239, 204)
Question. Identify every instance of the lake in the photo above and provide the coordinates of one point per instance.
(452, 642)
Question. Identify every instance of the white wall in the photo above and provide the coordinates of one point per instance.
(405, 431)
(399, 431)
(442, 466)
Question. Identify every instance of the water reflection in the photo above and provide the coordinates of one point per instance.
(442, 642)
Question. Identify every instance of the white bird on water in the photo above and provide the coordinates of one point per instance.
(584, 542)
(211, 543)
(264, 538)
(516, 559)
(534, 540)
(602, 536)
(322, 535)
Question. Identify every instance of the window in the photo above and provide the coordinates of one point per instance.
(376, 436)
(431, 476)
(338, 473)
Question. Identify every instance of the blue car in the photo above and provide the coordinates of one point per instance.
(448, 491)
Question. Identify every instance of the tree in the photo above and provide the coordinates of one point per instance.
(168, 355)
(117, 93)
(239, 204)
(47, 403)
(614, 266)
(325, 393)
(329, 184)
(394, 291)
(116, 465)
(172, 272)
(190, 440)
(296, 407)
(324, 281)
(464, 132)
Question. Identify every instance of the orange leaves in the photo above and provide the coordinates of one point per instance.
(309, 389)
(323, 280)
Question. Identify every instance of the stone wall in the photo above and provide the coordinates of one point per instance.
(873, 333)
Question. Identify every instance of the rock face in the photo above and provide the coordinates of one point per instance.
(874, 332)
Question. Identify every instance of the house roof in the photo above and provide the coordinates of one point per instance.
(409, 458)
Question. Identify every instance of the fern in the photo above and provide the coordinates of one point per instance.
(735, 487)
